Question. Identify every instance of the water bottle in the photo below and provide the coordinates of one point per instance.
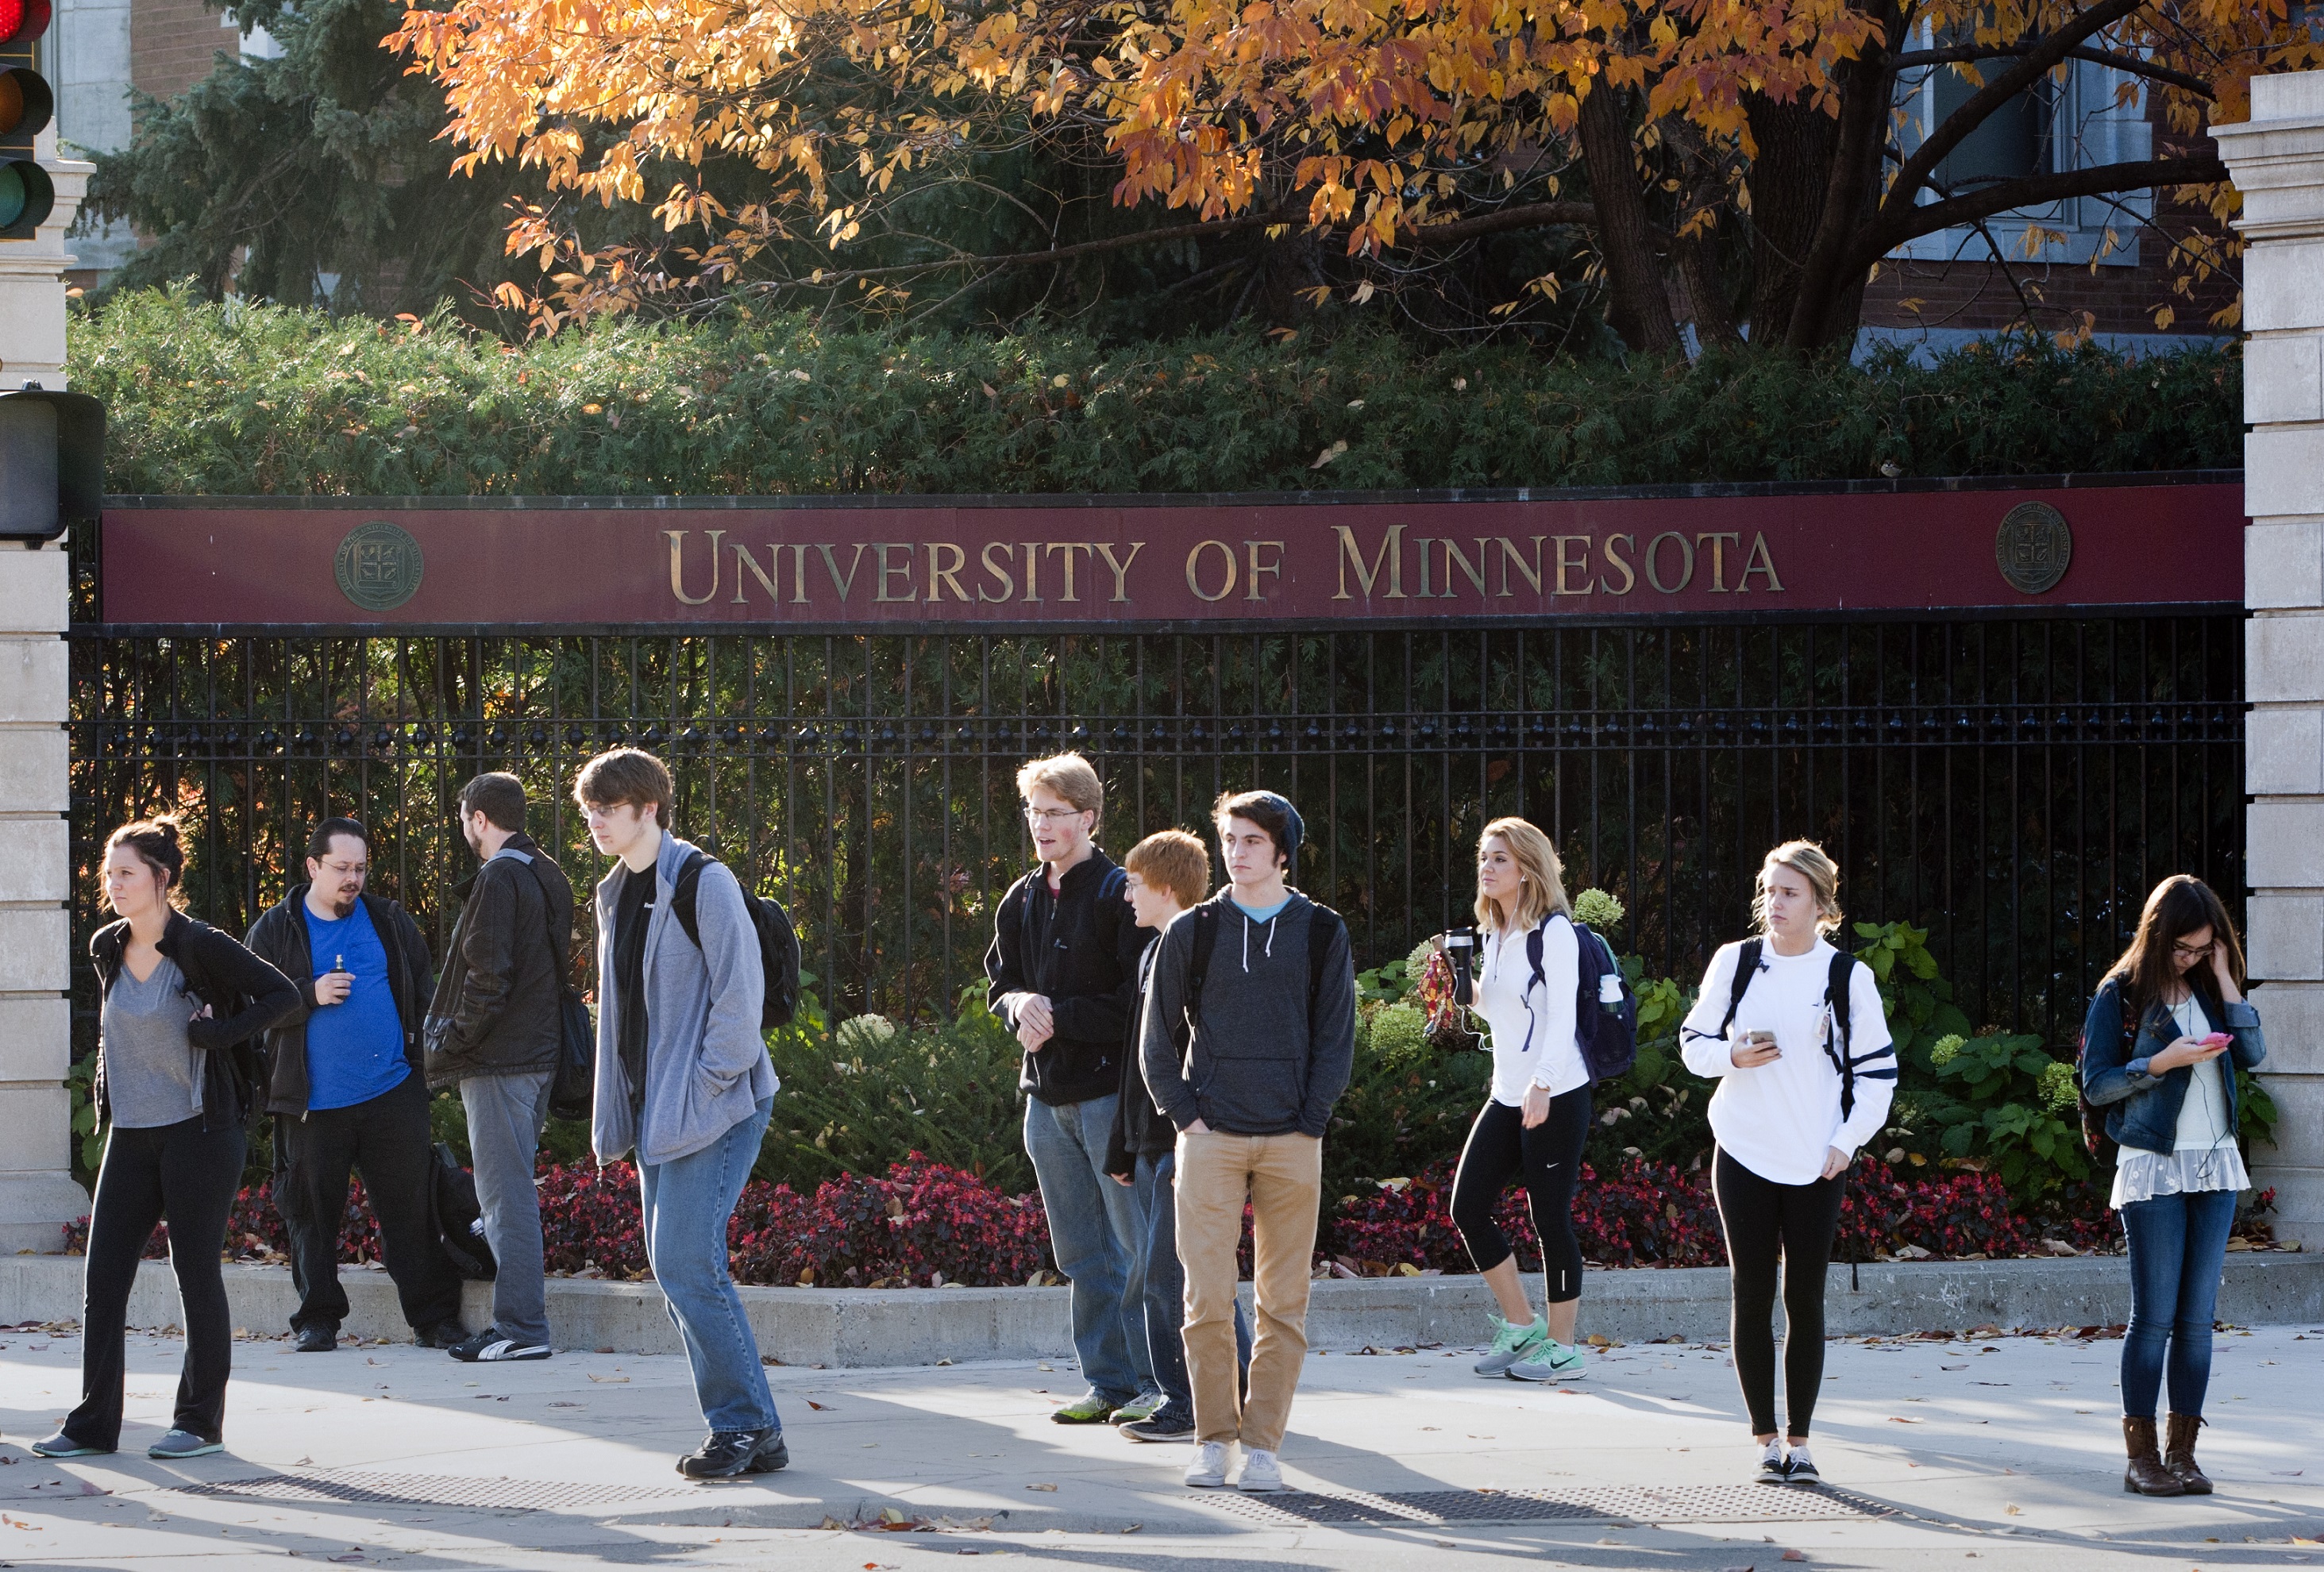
(1609, 990)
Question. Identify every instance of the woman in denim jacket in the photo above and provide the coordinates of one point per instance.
(2165, 1035)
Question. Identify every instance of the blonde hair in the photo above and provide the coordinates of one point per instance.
(1807, 860)
(1068, 775)
(1544, 890)
(1174, 861)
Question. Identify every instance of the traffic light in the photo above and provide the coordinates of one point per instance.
(52, 462)
(26, 105)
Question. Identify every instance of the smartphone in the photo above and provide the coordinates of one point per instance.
(2215, 1039)
(1762, 1040)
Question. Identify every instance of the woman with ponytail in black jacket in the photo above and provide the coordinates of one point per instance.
(177, 1080)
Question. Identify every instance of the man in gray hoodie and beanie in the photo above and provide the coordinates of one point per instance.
(683, 1081)
(1247, 1040)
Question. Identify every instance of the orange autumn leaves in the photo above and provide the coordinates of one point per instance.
(1371, 117)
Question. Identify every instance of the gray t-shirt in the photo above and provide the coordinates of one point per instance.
(151, 1071)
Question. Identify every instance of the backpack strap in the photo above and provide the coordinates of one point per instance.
(1323, 926)
(1198, 964)
(683, 889)
(1746, 967)
(1837, 989)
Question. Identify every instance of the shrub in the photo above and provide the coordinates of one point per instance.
(236, 398)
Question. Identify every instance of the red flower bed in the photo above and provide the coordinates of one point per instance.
(924, 1222)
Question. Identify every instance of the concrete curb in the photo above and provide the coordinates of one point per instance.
(855, 1327)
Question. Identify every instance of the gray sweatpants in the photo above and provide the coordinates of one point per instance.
(505, 1115)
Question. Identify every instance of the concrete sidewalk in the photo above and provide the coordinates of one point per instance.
(2004, 1450)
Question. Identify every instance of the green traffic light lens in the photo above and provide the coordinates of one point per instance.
(12, 195)
(26, 198)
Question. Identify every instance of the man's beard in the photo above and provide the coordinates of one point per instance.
(344, 907)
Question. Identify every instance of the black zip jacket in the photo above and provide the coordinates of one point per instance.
(245, 996)
(501, 997)
(280, 936)
(1080, 950)
(1140, 1130)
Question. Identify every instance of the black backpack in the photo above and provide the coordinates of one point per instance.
(778, 946)
(1835, 994)
(1322, 927)
(459, 1219)
(1606, 1032)
(573, 1088)
(2102, 1148)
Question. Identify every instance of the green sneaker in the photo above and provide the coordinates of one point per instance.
(1553, 1360)
(1089, 1409)
(1511, 1343)
(1141, 1406)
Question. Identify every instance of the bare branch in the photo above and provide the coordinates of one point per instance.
(1966, 54)
(2032, 191)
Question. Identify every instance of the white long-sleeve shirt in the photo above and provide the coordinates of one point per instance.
(1532, 1024)
(1780, 1119)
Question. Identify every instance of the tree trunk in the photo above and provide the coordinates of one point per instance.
(1831, 300)
(1639, 308)
(1789, 182)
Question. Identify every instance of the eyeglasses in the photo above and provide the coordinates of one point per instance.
(345, 869)
(1052, 815)
(2192, 952)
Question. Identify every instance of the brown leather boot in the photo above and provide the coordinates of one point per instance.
(2146, 1475)
(2179, 1453)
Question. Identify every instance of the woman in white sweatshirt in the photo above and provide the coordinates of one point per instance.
(1536, 1114)
(1793, 1030)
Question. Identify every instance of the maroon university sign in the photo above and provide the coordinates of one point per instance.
(911, 562)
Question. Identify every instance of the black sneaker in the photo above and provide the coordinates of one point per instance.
(490, 1347)
(442, 1334)
(1774, 1469)
(726, 1453)
(1800, 1470)
(316, 1339)
(1160, 1428)
(772, 1457)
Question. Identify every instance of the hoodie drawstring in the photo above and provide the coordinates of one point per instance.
(1268, 951)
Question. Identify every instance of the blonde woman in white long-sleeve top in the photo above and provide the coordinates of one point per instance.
(1804, 1078)
(1536, 1114)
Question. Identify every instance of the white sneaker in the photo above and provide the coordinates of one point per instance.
(1261, 1470)
(1208, 1471)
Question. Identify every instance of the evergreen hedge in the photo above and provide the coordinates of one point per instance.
(238, 400)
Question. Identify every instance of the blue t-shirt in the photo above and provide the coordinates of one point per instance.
(1263, 913)
(355, 1048)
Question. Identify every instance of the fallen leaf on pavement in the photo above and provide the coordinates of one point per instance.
(1040, 1487)
(819, 1407)
(608, 1379)
(1901, 1419)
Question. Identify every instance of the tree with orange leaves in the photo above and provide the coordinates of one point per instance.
(1760, 158)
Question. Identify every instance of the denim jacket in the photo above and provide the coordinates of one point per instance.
(2142, 1107)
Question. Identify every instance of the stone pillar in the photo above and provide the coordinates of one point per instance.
(37, 1193)
(2277, 159)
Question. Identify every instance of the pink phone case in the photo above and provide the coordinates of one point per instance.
(2216, 1039)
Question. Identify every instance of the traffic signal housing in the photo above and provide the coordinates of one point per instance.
(52, 463)
(26, 106)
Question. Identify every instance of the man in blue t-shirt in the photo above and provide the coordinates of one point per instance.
(345, 1090)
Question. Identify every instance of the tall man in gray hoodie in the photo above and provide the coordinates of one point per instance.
(683, 1081)
(1247, 1041)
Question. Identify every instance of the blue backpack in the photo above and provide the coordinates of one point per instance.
(1606, 1030)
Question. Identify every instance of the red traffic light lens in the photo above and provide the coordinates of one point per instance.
(22, 21)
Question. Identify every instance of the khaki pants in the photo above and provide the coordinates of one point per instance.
(1283, 1176)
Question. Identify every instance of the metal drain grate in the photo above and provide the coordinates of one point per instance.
(347, 1486)
(1638, 1503)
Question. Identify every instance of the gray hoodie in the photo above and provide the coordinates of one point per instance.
(707, 1066)
(1258, 1065)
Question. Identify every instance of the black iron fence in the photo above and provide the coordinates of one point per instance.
(2014, 785)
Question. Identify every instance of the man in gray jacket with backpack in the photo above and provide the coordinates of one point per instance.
(494, 1031)
(683, 1083)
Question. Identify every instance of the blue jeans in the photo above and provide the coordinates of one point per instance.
(2178, 1248)
(1166, 1292)
(1091, 1222)
(688, 1202)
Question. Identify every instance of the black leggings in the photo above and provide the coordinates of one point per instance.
(1548, 1158)
(1765, 1222)
(187, 1175)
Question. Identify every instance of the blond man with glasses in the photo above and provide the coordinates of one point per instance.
(1063, 972)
